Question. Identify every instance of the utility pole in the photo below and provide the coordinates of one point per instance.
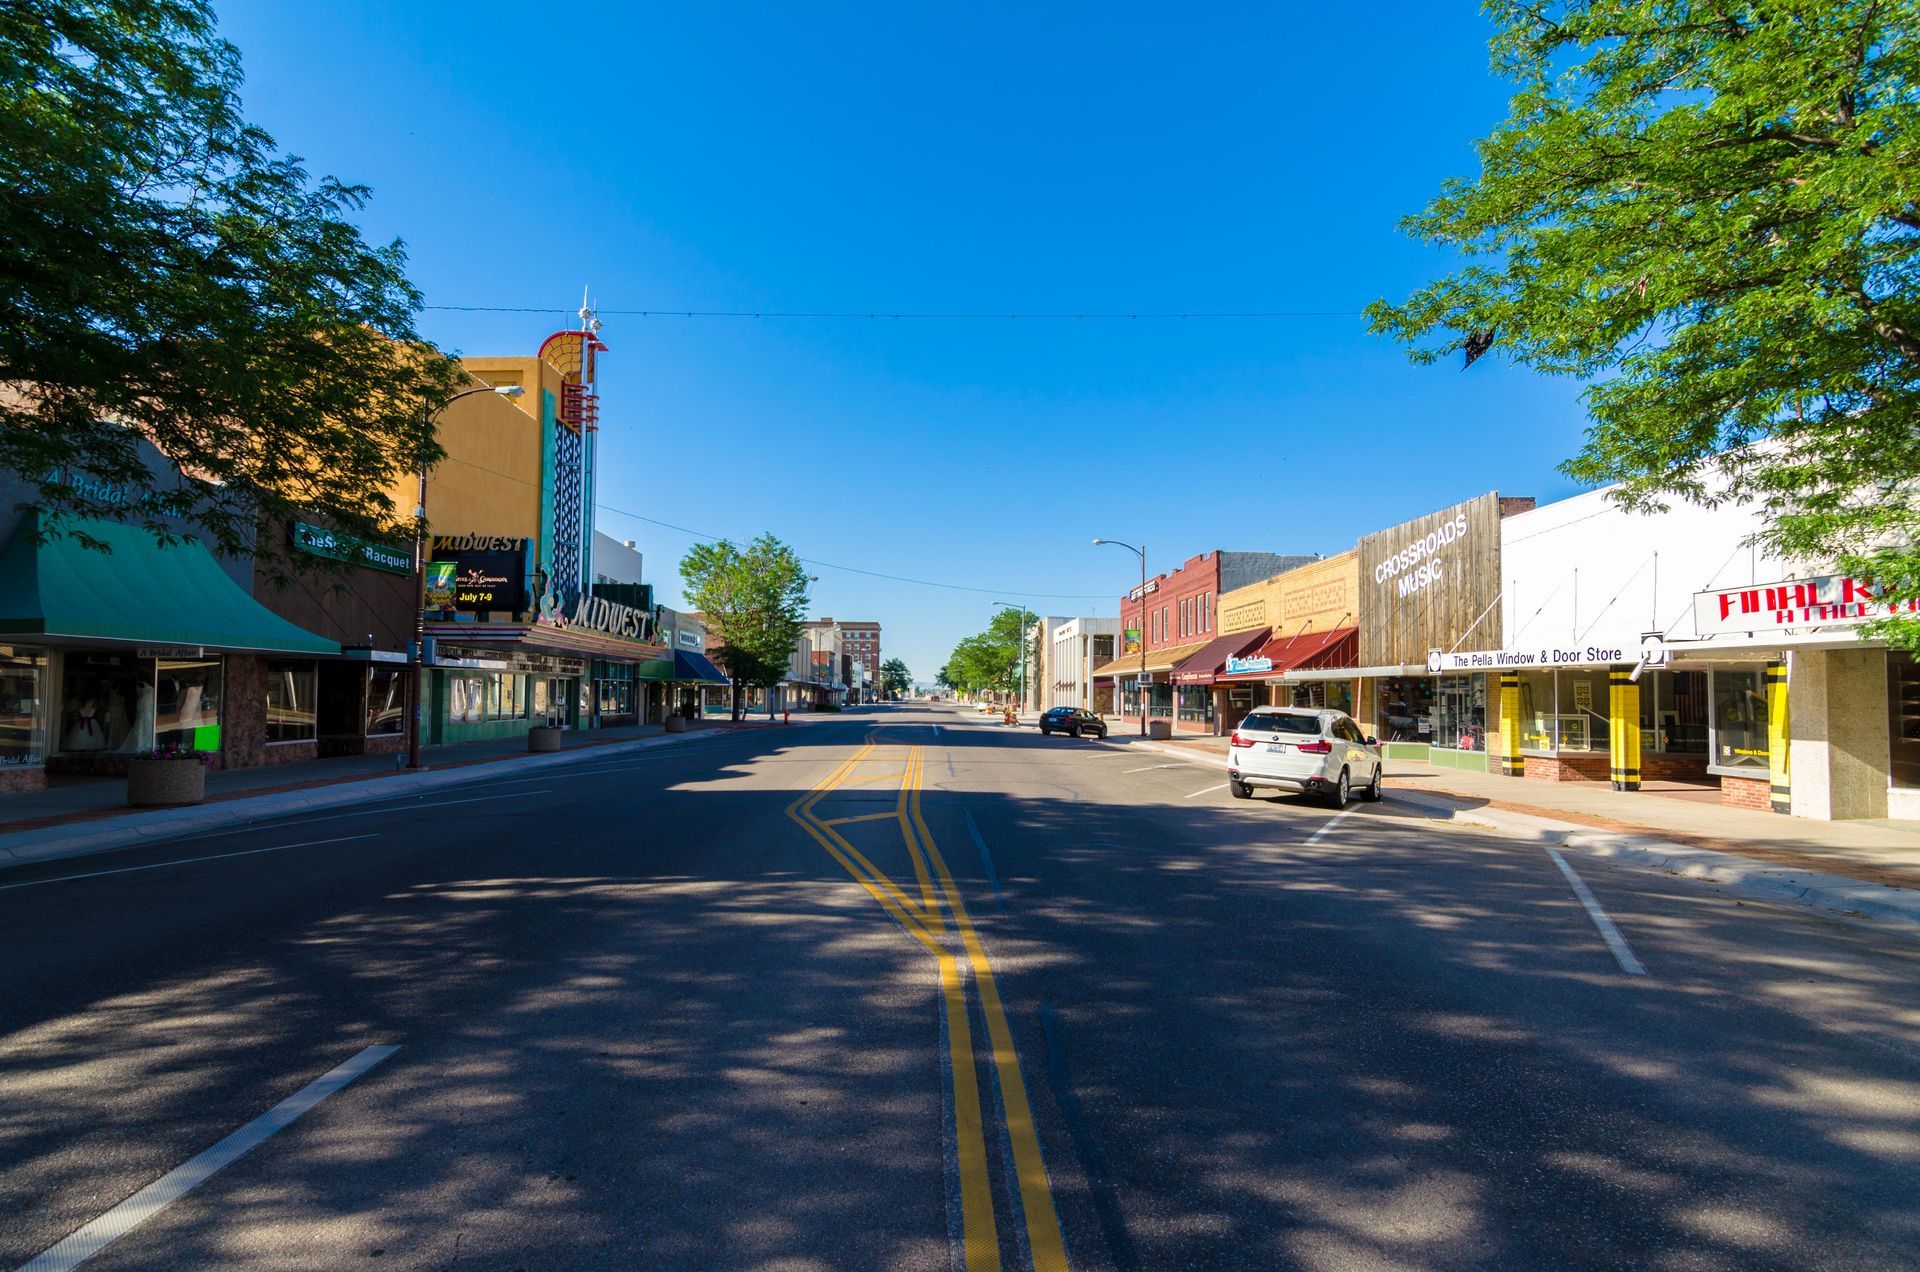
(1141, 551)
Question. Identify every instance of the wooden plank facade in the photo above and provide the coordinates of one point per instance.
(1426, 583)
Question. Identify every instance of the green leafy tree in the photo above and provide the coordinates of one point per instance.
(988, 660)
(170, 275)
(895, 679)
(1711, 213)
(754, 600)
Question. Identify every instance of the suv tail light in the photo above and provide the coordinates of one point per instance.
(1316, 748)
(1237, 740)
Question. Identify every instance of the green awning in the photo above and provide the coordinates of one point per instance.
(654, 669)
(140, 592)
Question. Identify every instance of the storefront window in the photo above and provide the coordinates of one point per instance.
(1460, 713)
(291, 714)
(1564, 710)
(1159, 699)
(1673, 712)
(187, 704)
(616, 697)
(23, 718)
(506, 696)
(106, 704)
(1739, 720)
(466, 698)
(1903, 720)
(1195, 704)
(386, 702)
(1406, 708)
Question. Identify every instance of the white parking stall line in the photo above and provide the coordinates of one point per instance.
(1148, 769)
(186, 861)
(87, 1241)
(1608, 932)
(1217, 786)
(1327, 825)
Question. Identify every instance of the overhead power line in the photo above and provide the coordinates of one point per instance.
(829, 565)
(934, 315)
(874, 574)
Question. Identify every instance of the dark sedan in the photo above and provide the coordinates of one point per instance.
(1074, 722)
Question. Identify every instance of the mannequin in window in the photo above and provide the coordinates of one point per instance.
(140, 736)
(85, 732)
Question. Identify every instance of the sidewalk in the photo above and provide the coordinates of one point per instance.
(1675, 830)
(76, 816)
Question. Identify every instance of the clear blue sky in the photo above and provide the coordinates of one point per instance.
(894, 157)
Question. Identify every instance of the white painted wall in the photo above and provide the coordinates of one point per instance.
(614, 561)
(1586, 571)
(1069, 681)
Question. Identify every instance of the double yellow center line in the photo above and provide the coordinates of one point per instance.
(920, 912)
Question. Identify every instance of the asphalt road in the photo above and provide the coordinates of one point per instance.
(904, 989)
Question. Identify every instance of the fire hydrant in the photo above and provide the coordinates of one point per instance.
(786, 715)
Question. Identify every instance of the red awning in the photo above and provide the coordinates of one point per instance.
(1205, 665)
(1339, 647)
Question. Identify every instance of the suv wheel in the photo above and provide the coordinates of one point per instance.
(1239, 789)
(1372, 793)
(1342, 791)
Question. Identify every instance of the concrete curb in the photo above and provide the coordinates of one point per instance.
(26, 847)
(1738, 876)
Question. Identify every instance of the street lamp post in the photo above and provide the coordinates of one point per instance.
(1141, 552)
(419, 656)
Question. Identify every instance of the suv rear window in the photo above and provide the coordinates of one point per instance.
(1277, 723)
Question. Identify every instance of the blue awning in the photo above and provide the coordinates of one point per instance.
(688, 666)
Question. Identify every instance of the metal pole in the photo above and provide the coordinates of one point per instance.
(1143, 640)
(419, 652)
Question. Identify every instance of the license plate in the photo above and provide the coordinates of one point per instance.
(1276, 746)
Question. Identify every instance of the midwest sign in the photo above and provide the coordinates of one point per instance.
(597, 614)
(1826, 601)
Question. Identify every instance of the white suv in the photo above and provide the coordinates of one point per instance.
(1303, 749)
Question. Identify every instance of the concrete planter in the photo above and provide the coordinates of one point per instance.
(543, 737)
(155, 783)
(676, 724)
(1160, 730)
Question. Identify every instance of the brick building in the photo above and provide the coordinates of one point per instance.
(1174, 617)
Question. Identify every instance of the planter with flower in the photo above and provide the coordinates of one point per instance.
(168, 776)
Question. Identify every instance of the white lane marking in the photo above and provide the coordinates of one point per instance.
(986, 859)
(391, 808)
(87, 1241)
(1150, 768)
(187, 861)
(1328, 825)
(1608, 932)
(1217, 786)
(936, 730)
